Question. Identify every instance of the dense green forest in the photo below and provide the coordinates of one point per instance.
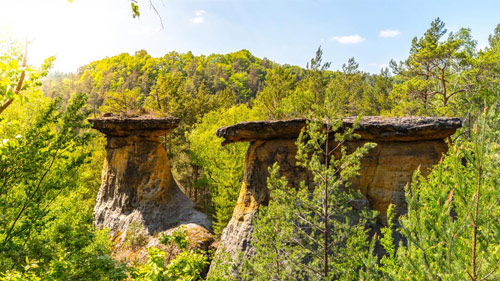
(51, 161)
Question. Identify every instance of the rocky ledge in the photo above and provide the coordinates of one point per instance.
(369, 128)
(125, 126)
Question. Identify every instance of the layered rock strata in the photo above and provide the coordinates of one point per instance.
(137, 183)
(403, 145)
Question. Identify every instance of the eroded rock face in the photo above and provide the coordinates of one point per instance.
(260, 156)
(403, 145)
(137, 183)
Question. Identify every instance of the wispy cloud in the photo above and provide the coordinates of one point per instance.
(199, 16)
(389, 33)
(348, 39)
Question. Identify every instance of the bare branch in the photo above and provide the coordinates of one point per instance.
(157, 13)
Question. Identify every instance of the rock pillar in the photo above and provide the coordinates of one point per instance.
(137, 183)
(403, 145)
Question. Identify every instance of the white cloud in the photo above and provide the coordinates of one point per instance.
(389, 33)
(348, 39)
(199, 16)
(200, 13)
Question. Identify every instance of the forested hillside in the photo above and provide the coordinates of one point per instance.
(50, 159)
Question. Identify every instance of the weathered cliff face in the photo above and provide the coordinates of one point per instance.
(137, 183)
(403, 145)
(260, 156)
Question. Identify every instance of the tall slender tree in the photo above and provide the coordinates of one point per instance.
(311, 231)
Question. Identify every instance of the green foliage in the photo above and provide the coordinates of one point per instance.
(26, 275)
(310, 93)
(222, 166)
(280, 84)
(352, 93)
(220, 267)
(434, 73)
(135, 237)
(135, 9)
(154, 269)
(388, 262)
(126, 103)
(16, 77)
(485, 74)
(178, 237)
(186, 266)
(174, 78)
(296, 93)
(87, 255)
(36, 167)
(46, 199)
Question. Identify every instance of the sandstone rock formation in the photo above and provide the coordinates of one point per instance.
(403, 145)
(137, 183)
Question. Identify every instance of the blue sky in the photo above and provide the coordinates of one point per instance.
(371, 31)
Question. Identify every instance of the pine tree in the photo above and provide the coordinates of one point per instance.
(311, 231)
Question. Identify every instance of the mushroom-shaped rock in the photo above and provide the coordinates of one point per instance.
(403, 145)
(374, 128)
(137, 183)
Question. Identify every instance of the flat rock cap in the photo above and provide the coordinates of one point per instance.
(141, 125)
(374, 128)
